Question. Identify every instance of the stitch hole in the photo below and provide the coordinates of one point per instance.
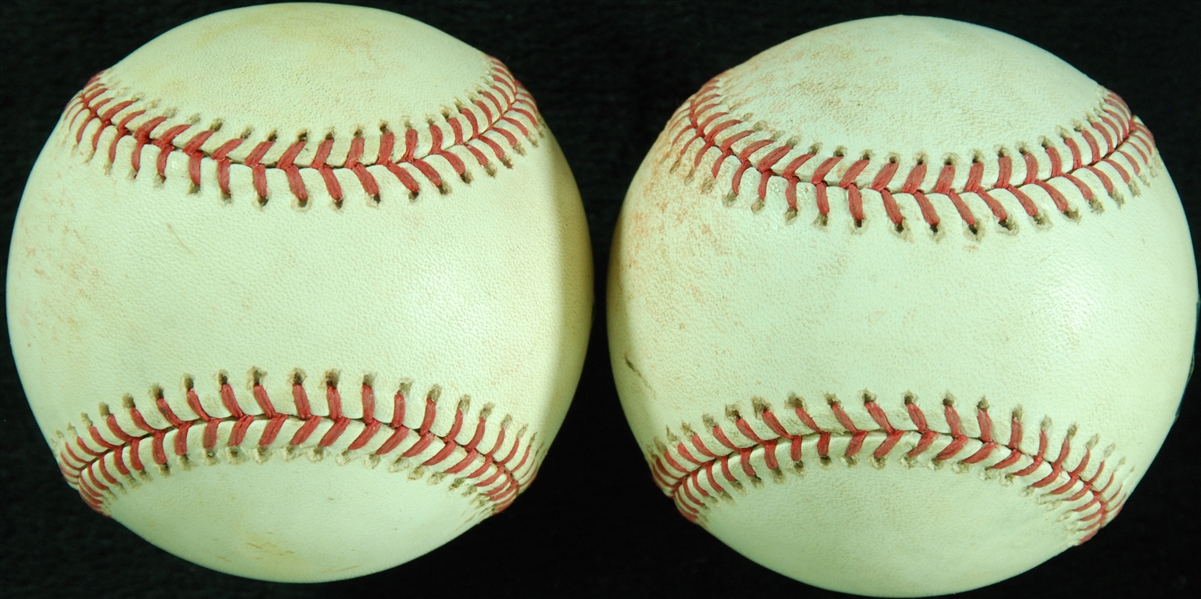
(759, 405)
(909, 398)
(1134, 188)
(256, 377)
(795, 401)
(732, 413)
(331, 379)
(798, 468)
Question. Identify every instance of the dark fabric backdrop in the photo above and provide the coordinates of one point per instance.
(606, 76)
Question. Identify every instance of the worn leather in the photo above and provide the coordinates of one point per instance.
(724, 303)
(128, 285)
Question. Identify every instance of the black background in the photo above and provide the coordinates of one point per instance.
(606, 76)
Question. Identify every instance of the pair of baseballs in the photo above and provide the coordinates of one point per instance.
(901, 306)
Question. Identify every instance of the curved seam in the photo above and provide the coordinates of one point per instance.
(95, 465)
(693, 472)
(503, 105)
(1109, 136)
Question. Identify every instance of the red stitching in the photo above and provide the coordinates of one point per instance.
(88, 461)
(702, 118)
(684, 483)
(504, 104)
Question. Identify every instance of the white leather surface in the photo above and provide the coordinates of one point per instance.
(1082, 325)
(124, 285)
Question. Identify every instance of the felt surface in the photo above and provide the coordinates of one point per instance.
(606, 76)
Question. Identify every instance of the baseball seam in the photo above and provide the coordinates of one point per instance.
(124, 452)
(1105, 145)
(478, 130)
(696, 468)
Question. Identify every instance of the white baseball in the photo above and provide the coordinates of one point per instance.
(902, 306)
(300, 292)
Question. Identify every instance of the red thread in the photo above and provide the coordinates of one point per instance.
(106, 462)
(192, 151)
(142, 137)
(504, 103)
(690, 486)
(701, 118)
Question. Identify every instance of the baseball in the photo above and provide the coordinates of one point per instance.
(300, 292)
(902, 306)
